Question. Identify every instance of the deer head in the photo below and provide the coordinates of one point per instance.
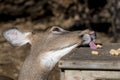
(47, 48)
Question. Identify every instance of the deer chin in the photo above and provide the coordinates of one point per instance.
(49, 59)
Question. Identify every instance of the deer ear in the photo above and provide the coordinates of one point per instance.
(57, 30)
(16, 37)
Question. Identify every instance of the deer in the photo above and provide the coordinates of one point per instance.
(47, 48)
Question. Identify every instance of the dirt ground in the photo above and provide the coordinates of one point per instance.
(11, 58)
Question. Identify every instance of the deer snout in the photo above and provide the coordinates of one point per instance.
(87, 38)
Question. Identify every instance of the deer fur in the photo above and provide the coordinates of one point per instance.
(47, 48)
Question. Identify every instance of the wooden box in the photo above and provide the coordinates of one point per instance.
(80, 64)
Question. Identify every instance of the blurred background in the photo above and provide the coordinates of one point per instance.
(103, 16)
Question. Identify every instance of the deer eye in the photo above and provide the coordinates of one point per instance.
(56, 29)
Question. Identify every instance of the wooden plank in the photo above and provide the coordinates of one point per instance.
(83, 59)
(90, 65)
(91, 75)
(84, 53)
(62, 75)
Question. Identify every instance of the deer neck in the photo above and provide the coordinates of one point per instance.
(39, 63)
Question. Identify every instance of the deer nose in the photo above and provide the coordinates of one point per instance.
(81, 35)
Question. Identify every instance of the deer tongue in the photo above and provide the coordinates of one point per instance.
(92, 45)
